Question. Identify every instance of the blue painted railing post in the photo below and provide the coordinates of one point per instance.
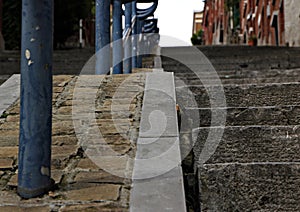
(140, 23)
(134, 34)
(34, 175)
(102, 36)
(117, 37)
(127, 44)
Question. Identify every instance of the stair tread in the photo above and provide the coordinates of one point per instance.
(234, 187)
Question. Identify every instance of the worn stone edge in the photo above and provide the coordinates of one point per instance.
(135, 183)
(9, 96)
(157, 59)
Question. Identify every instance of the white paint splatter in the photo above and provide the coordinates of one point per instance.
(27, 54)
(30, 62)
(45, 171)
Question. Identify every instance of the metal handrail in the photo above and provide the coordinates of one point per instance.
(145, 13)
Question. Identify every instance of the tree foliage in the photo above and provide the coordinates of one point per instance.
(197, 39)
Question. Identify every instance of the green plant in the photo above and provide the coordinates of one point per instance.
(230, 4)
(4, 115)
(197, 38)
(234, 7)
(253, 38)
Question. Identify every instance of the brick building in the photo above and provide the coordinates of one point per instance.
(197, 21)
(263, 19)
(236, 21)
(220, 21)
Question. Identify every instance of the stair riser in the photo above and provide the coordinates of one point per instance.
(247, 116)
(251, 144)
(244, 96)
(250, 187)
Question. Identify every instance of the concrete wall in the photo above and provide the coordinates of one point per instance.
(292, 22)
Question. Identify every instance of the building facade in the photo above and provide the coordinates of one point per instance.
(197, 21)
(292, 22)
(220, 21)
(263, 20)
(239, 21)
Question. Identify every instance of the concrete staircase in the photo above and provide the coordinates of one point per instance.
(233, 58)
(256, 164)
(68, 61)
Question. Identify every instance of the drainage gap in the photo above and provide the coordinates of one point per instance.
(191, 185)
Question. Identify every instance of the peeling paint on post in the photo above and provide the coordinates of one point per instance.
(36, 98)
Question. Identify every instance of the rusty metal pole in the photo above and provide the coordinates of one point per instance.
(36, 98)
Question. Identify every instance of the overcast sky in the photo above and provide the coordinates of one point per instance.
(175, 17)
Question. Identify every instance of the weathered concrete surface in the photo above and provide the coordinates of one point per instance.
(241, 57)
(159, 107)
(243, 116)
(161, 193)
(9, 92)
(246, 144)
(255, 166)
(157, 174)
(64, 61)
(82, 185)
(250, 187)
(282, 94)
(239, 77)
(69, 61)
(223, 58)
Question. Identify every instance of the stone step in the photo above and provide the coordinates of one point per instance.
(229, 80)
(287, 94)
(235, 65)
(239, 74)
(240, 51)
(250, 187)
(229, 58)
(68, 61)
(245, 116)
(238, 66)
(249, 144)
(235, 51)
(3, 78)
(253, 162)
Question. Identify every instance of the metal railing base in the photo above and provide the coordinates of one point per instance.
(31, 193)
